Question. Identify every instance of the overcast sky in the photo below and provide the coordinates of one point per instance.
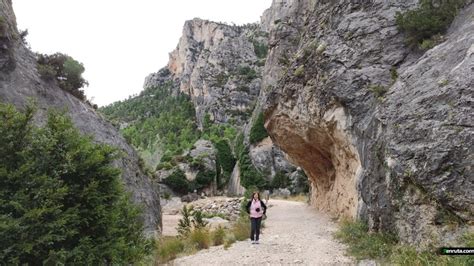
(120, 42)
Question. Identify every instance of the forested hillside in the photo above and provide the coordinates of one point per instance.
(156, 122)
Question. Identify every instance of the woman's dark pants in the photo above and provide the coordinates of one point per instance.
(255, 228)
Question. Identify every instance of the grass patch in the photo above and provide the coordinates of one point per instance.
(218, 236)
(228, 241)
(364, 245)
(168, 248)
(201, 238)
(241, 229)
(385, 248)
(214, 214)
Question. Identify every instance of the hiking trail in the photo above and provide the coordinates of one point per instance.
(294, 233)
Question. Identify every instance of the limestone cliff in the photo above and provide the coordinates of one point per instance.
(403, 160)
(216, 64)
(220, 66)
(19, 82)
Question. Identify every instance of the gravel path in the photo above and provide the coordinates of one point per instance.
(294, 234)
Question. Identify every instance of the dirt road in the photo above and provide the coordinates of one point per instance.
(294, 234)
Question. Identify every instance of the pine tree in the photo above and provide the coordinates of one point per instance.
(61, 200)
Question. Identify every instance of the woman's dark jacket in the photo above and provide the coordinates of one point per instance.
(261, 203)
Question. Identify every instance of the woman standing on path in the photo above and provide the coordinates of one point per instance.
(256, 208)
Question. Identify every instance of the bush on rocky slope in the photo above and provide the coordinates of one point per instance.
(430, 18)
(258, 131)
(65, 70)
(61, 201)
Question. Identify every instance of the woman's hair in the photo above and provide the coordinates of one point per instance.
(258, 194)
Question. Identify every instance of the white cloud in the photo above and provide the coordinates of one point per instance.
(119, 41)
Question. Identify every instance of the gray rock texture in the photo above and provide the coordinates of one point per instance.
(20, 81)
(217, 66)
(270, 159)
(204, 150)
(234, 188)
(403, 160)
(202, 157)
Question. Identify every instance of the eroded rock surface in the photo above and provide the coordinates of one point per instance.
(403, 160)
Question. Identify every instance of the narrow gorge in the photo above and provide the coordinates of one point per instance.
(382, 130)
(331, 99)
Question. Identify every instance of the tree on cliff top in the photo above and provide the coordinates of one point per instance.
(65, 70)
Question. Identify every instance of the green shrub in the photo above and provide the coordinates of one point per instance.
(427, 44)
(218, 236)
(239, 145)
(184, 224)
(281, 180)
(166, 195)
(214, 214)
(201, 238)
(61, 200)
(225, 157)
(249, 175)
(46, 72)
(429, 19)
(164, 165)
(378, 90)
(221, 79)
(299, 72)
(177, 182)
(247, 73)
(393, 73)
(168, 249)
(206, 122)
(65, 70)
(204, 178)
(258, 131)
(198, 220)
(260, 49)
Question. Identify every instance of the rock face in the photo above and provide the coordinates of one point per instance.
(204, 150)
(19, 81)
(402, 161)
(220, 66)
(202, 157)
(268, 158)
(226, 207)
(216, 64)
(234, 188)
